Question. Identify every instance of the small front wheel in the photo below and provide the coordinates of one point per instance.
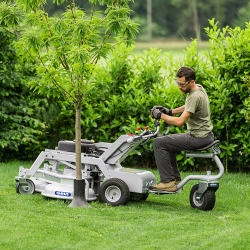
(114, 192)
(25, 189)
(206, 202)
(144, 196)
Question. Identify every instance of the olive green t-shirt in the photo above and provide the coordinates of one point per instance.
(197, 103)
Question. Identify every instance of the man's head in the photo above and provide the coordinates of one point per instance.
(186, 79)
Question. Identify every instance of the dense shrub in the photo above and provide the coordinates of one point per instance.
(228, 88)
(19, 123)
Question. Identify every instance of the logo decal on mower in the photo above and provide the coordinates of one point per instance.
(62, 193)
(213, 184)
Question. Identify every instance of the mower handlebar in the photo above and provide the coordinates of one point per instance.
(152, 135)
(139, 137)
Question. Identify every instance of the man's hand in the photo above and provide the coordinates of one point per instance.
(166, 111)
(156, 113)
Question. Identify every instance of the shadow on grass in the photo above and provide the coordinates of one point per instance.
(160, 205)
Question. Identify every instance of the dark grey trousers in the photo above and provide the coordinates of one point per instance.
(167, 147)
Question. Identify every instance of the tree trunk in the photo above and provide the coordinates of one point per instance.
(78, 143)
(196, 19)
(79, 184)
(149, 19)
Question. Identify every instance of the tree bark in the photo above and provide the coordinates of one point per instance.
(196, 19)
(78, 142)
(149, 19)
(79, 183)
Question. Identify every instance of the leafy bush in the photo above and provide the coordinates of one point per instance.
(229, 91)
(19, 126)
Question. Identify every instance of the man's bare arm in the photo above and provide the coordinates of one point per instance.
(176, 121)
(178, 110)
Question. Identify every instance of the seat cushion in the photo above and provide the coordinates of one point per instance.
(208, 146)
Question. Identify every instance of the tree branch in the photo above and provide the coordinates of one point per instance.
(25, 49)
(63, 61)
(97, 25)
(46, 19)
(96, 57)
(120, 41)
(72, 10)
(92, 13)
(53, 80)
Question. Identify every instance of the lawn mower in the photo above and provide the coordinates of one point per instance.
(53, 172)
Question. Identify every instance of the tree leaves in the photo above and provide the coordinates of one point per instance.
(66, 49)
(10, 15)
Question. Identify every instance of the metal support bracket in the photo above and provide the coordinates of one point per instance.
(23, 183)
(203, 186)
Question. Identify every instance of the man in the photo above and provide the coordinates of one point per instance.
(196, 112)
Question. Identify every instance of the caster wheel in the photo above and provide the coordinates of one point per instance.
(207, 201)
(144, 196)
(27, 189)
(114, 192)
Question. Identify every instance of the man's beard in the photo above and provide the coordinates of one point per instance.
(187, 90)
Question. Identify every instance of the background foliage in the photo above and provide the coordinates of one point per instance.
(229, 91)
(174, 17)
(123, 90)
(20, 123)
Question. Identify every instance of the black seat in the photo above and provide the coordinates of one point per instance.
(208, 146)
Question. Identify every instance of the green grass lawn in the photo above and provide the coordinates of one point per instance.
(161, 222)
(175, 47)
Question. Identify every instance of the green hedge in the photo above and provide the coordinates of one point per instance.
(228, 88)
(20, 124)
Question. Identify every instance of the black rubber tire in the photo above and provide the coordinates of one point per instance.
(22, 190)
(144, 196)
(114, 192)
(207, 201)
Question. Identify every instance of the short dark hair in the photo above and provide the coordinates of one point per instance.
(188, 72)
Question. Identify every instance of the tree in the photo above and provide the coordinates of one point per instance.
(66, 49)
(149, 19)
(196, 19)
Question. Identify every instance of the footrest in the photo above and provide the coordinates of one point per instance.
(164, 192)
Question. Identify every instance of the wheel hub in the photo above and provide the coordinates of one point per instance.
(26, 189)
(196, 201)
(113, 193)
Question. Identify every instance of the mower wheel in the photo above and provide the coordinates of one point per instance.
(114, 192)
(206, 202)
(144, 196)
(27, 189)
